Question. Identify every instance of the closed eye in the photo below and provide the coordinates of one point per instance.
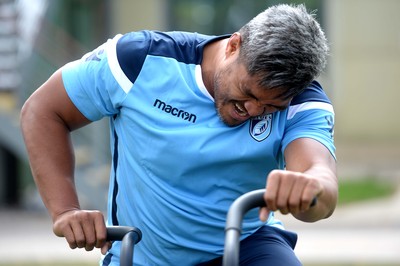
(276, 107)
(267, 106)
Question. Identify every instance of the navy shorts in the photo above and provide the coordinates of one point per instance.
(267, 246)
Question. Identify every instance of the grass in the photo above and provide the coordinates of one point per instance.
(361, 189)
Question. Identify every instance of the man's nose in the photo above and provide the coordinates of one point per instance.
(253, 108)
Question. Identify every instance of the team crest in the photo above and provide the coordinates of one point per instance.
(260, 127)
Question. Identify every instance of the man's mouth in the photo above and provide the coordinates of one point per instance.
(240, 110)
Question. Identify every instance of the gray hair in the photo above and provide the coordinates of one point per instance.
(285, 47)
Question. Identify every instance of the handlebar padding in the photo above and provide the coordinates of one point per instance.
(233, 227)
(129, 237)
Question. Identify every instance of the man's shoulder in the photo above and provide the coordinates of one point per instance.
(313, 93)
(186, 47)
(132, 49)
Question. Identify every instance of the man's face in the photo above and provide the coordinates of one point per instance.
(238, 97)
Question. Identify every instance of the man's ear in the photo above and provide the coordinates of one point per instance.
(233, 45)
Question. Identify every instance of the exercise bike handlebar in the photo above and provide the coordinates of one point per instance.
(233, 229)
(233, 226)
(132, 235)
(129, 237)
(234, 220)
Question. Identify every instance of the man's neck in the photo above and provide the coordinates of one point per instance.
(213, 54)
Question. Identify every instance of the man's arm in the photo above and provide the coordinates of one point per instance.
(47, 118)
(310, 172)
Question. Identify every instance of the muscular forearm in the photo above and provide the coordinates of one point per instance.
(47, 118)
(50, 152)
(315, 163)
(326, 200)
(310, 172)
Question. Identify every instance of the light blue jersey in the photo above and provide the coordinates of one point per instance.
(176, 166)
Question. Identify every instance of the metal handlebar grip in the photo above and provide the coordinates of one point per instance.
(129, 237)
(233, 227)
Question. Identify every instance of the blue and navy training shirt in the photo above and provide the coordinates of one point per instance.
(176, 166)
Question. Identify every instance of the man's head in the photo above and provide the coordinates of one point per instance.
(268, 62)
(285, 47)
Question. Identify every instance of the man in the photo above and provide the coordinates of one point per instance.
(196, 121)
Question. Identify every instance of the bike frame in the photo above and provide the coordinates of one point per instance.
(233, 229)
(131, 235)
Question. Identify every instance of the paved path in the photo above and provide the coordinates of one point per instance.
(27, 236)
(367, 233)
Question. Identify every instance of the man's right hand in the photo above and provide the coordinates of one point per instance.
(82, 229)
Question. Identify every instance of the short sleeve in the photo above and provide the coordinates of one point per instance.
(91, 83)
(311, 116)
